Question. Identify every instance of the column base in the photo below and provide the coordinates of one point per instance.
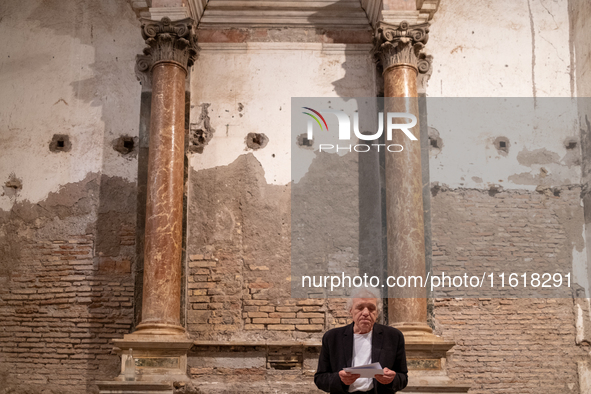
(159, 329)
(158, 357)
(414, 329)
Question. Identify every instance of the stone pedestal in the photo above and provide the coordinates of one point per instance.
(426, 360)
(157, 358)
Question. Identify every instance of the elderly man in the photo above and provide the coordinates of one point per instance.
(360, 343)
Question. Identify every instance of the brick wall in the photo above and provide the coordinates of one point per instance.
(509, 345)
(222, 304)
(61, 301)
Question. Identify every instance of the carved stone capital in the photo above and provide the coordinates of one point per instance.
(168, 41)
(402, 44)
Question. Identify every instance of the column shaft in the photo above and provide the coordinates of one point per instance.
(171, 50)
(164, 207)
(404, 199)
(398, 49)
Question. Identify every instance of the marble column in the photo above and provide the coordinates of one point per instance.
(398, 49)
(171, 50)
(160, 343)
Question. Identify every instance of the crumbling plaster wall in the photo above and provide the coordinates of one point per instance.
(67, 217)
(482, 49)
(239, 202)
(522, 208)
(504, 49)
(580, 17)
(239, 197)
(67, 68)
(249, 87)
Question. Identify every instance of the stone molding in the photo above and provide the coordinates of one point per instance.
(174, 13)
(327, 14)
(402, 44)
(425, 9)
(168, 41)
(239, 17)
(196, 8)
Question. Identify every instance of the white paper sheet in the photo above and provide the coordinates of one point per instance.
(366, 371)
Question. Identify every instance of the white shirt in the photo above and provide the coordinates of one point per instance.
(361, 356)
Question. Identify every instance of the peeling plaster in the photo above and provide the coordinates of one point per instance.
(537, 156)
(536, 145)
(201, 132)
(98, 205)
(75, 81)
(249, 90)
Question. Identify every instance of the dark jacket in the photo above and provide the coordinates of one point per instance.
(337, 353)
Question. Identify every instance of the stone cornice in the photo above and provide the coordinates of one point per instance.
(333, 14)
(168, 41)
(402, 44)
(238, 17)
(143, 9)
(424, 12)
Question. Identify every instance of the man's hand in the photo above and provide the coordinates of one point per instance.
(348, 378)
(386, 378)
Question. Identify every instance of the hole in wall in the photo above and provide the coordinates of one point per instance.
(199, 136)
(125, 144)
(256, 141)
(128, 144)
(435, 141)
(201, 132)
(303, 141)
(60, 143)
(493, 190)
(570, 143)
(502, 145)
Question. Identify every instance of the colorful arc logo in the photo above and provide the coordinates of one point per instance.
(315, 118)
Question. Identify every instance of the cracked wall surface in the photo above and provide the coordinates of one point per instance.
(68, 203)
(68, 235)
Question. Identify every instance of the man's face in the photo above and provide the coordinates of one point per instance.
(364, 313)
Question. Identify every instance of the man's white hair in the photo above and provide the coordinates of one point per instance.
(365, 292)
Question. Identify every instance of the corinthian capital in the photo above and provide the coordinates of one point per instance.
(403, 44)
(168, 41)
